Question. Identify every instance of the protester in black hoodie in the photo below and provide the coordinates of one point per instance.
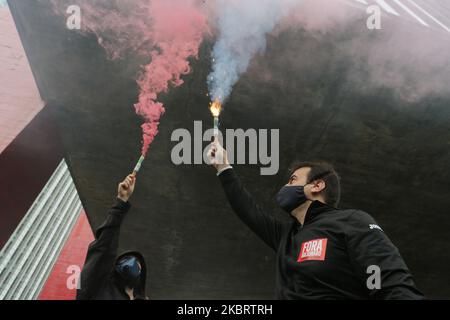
(105, 275)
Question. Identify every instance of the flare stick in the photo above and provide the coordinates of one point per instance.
(138, 165)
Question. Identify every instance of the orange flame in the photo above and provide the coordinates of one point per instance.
(215, 108)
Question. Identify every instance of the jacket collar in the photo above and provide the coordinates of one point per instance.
(315, 209)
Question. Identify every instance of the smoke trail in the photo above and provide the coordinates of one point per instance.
(178, 28)
(242, 27)
(169, 32)
(403, 56)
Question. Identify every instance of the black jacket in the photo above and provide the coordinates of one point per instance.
(98, 278)
(328, 256)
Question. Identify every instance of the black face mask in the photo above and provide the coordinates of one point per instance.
(129, 272)
(290, 197)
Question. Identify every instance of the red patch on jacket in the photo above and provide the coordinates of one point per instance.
(313, 250)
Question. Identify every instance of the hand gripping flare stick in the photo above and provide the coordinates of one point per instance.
(137, 167)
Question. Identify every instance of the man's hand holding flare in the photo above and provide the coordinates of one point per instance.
(217, 155)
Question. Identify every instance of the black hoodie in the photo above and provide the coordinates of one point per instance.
(99, 280)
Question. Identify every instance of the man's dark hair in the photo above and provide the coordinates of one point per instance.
(322, 171)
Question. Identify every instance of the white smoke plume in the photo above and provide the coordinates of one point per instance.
(242, 29)
(404, 56)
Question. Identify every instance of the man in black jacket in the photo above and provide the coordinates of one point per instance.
(324, 252)
(106, 276)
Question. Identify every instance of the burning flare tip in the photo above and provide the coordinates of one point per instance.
(215, 108)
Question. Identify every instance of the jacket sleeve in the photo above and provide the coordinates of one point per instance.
(369, 248)
(102, 252)
(264, 225)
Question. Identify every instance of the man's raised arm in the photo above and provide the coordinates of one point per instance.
(263, 224)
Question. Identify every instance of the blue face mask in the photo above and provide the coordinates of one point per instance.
(129, 271)
(290, 197)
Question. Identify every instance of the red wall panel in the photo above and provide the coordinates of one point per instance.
(72, 254)
(19, 96)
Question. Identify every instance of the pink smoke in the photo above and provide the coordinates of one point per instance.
(177, 31)
(168, 31)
